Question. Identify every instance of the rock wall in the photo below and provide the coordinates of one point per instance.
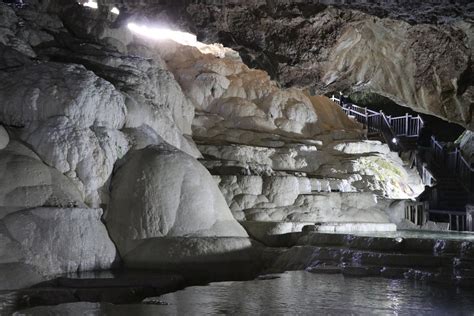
(417, 53)
(282, 154)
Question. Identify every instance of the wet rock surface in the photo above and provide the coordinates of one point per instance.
(436, 260)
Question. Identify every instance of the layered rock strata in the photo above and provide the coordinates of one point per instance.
(282, 154)
(95, 116)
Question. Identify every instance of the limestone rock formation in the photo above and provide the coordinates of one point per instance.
(42, 242)
(38, 92)
(69, 116)
(27, 182)
(160, 191)
(278, 153)
(72, 110)
(418, 54)
(100, 117)
(86, 155)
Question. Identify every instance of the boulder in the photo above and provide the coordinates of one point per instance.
(44, 242)
(160, 191)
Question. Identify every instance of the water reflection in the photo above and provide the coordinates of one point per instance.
(420, 234)
(304, 293)
(294, 293)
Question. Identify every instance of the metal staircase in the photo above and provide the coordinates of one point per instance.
(445, 171)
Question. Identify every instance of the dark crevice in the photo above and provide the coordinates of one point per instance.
(466, 79)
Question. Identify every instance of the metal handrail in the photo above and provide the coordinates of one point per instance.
(406, 125)
(456, 163)
(409, 126)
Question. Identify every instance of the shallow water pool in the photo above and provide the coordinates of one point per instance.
(292, 293)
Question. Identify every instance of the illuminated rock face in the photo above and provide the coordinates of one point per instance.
(160, 191)
(101, 118)
(38, 92)
(244, 119)
(27, 182)
(418, 54)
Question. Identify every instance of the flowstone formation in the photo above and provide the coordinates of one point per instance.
(282, 155)
(417, 53)
(164, 147)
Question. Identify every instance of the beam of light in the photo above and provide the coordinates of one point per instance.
(164, 34)
(91, 4)
(115, 11)
(182, 38)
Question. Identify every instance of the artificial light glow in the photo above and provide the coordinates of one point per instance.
(91, 4)
(115, 10)
(182, 38)
(164, 34)
(394, 140)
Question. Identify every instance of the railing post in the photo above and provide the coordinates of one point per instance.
(418, 127)
(382, 117)
(406, 126)
(469, 212)
(367, 120)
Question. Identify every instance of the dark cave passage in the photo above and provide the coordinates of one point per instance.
(443, 130)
